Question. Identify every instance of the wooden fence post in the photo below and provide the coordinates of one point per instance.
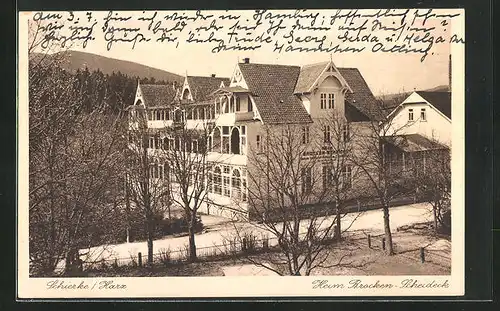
(139, 259)
(383, 243)
(422, 254)
(369, 241)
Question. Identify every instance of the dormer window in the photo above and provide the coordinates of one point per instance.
(330, 101)
(326, 100)
(323, 100)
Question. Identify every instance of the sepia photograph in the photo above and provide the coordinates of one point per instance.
(172, 147)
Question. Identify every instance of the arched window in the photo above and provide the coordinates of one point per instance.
(217, 180)
(236, 184)
(216, 141)
(225, 104)
(235, 141)
(178, 115)
(185, 94)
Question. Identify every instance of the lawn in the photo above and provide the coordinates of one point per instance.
(358, 259)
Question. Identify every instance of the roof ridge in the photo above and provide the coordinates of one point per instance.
(208, 77)
(275, 65)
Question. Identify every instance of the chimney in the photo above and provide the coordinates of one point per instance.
(246, 60)
(213, 75)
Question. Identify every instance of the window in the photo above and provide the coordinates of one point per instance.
(250, 106)
(410, 114)
(305, 135)
(231, 104)
(157, 141)
(195, 146)
(258, 143)
(306, 180)
(158, 114)
(347, 177)
(237, 104)
(151, 142)
(236, 193)
(326, 134)
(345, 133)
(217, 181)
(323, 100)
(244, 190)
(330, 101)
(327, 177)
(160, 171)
(423, 116)
(226, 186)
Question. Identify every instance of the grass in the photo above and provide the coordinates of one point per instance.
(358, 259)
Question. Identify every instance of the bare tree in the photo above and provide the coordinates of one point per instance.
(147, 186)
(73, 158)
(381, 158)
(72, 163)
(341, 178)
(434, 183)
(286, 197)
(186, 152)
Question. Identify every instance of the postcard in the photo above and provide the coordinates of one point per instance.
(241, 153)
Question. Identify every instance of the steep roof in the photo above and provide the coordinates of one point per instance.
(308, 75)
(155, 95)
(361, 97)
(440, 100)
(272, 87)
(202, 87)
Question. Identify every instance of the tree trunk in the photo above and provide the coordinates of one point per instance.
(150, 248)
(434, 211)
(338, 230)
(150, 228)
(387, 229)
(192, 244)
(296, 265)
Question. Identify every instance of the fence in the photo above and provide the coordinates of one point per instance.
(230, 248)
(425, 254)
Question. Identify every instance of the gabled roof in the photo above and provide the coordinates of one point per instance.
(308, 75)
(440, 100)
(156, 95)
(202, 87)
(361, 97)
(272, 88)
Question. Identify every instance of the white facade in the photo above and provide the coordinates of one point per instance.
(238, 129)
(416, 115)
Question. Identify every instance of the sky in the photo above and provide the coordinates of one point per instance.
(385, 73)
